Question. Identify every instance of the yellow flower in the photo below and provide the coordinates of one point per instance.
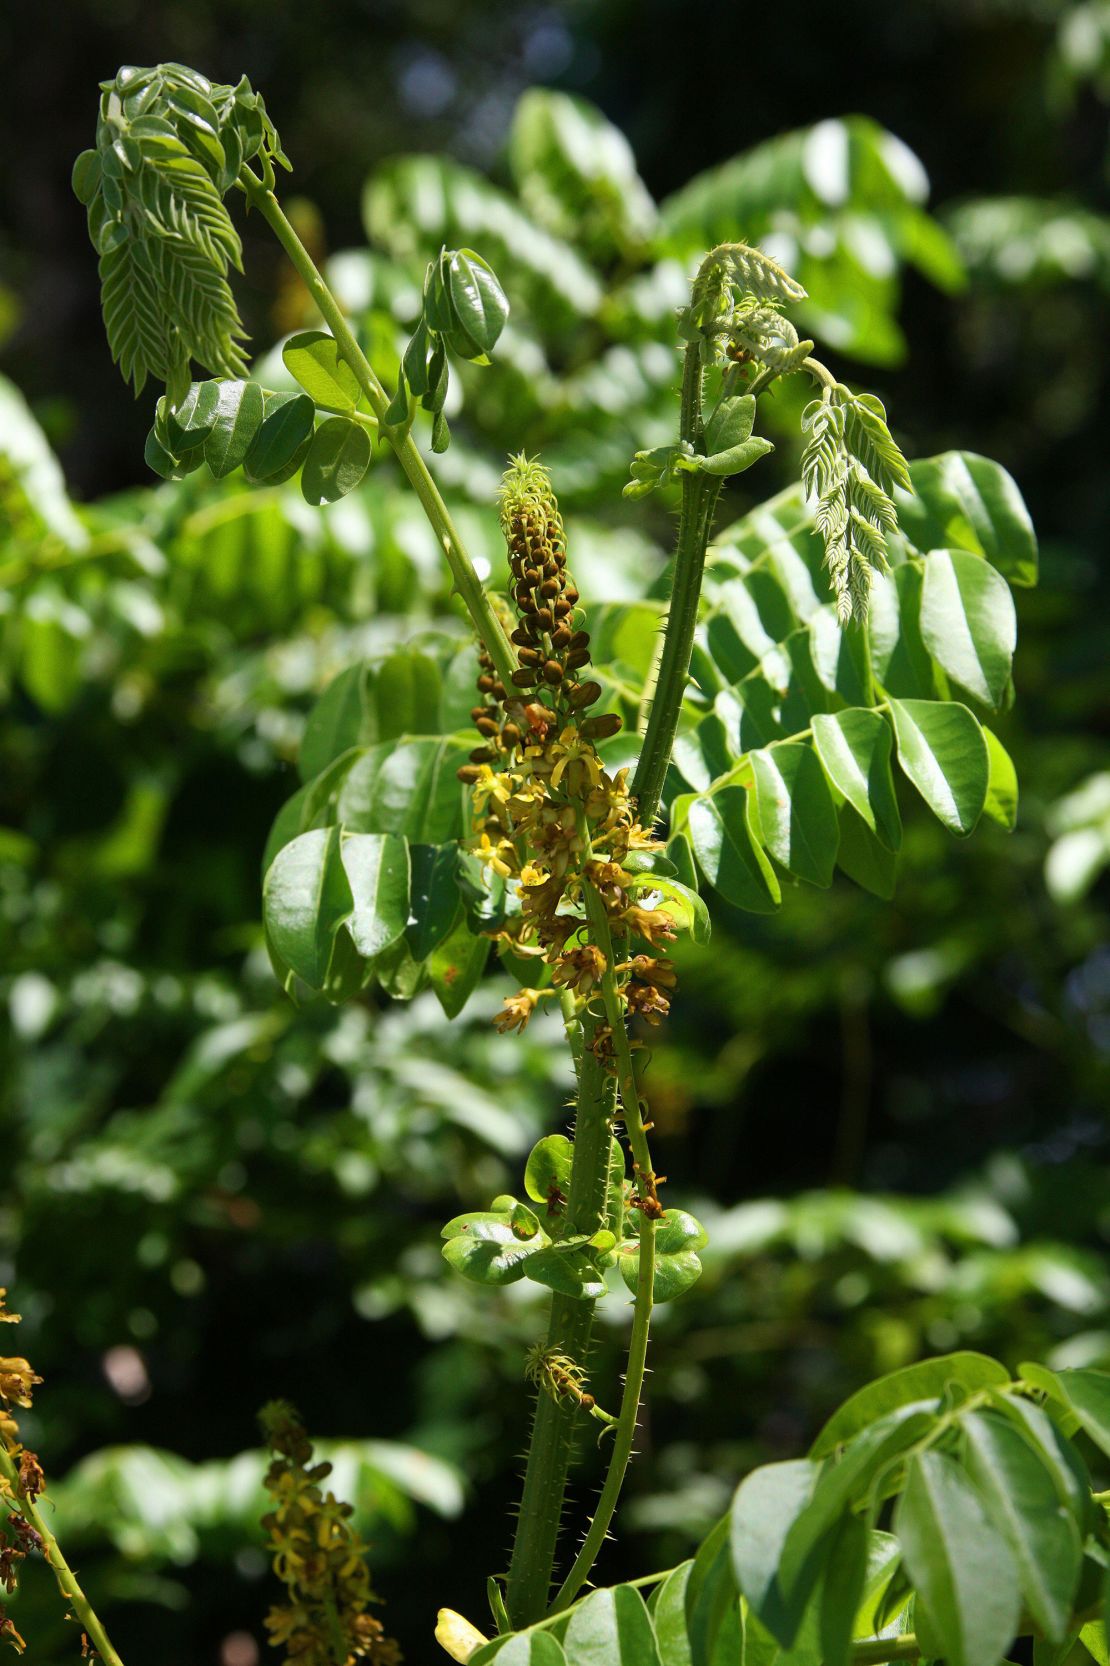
(456, 1635)
(572, 749)
(517, 1010)
(16, 1381)
(499, 856)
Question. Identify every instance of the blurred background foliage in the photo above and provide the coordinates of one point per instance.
(892, 1117)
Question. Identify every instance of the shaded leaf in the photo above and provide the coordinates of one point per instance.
(961, 1566)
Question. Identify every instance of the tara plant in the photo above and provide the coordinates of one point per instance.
(534, 799)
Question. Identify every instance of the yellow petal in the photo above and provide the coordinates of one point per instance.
(457, 1636)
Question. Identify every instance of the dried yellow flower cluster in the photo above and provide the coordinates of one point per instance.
(17, 1537)
(548, 817)
(319, 1558)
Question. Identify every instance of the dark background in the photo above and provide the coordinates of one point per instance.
(992, 1077)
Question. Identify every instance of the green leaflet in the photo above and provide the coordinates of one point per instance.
(863, 857)
(527, 1648)
(765, 1508)
(193, 420)
(963, 1569)
(794, 811)
(477, 300)
(1088, 1395)
(968, 622)
(942, 751)
(548, 1168)
(435, 903)
(377, 867)
(281, 439)
(487, 1249)
(727, 853)
(611, 1628)
(337, 458)
(963, 501)
(456, 965)
(408, 786)
(1002, 783)
(312, 358)
(927, 1380)
(333, 902)
(306, 897)
(668, 1615)
(712, 1609)
(237, 420)
(842, 1589)
(855, 746)
(340, 719)
(678, 1237)
(1020, 1497)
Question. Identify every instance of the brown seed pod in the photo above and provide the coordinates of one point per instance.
(544, 618)
(561, 636)
(468, 774)
(485, 683)
(584, 695)
(510, 734)
(487, 725)
(580, 639)
(577, 657)
(553, 672)
(521, 636)
(477, 712)
(549, 588)
(562, 608)
(571, 595)
(602, 726)
(482, 755)
(529, 656)
(524, 679)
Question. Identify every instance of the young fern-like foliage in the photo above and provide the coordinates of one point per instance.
(850, 468)
(169, 146)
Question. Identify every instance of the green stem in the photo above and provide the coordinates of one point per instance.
(699, 500)
(63, 1573)
(875, 1651)
(467, 582)
(626, 1424)
(645, 1278)
(556, 1422)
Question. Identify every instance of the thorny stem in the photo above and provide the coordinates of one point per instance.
(645, 1279)
(699, 500)
(63, 1573)
(569, 1329)
(467, 582)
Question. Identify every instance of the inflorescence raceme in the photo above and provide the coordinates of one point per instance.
(549, 819)
(17, 1536)
(319, 1558)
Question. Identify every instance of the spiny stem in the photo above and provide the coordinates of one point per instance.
(467, 582)
(63, 1573)
(549, 1451)
(699, 499)
(645, 1278)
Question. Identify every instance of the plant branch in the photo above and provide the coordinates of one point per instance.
(555, 1423)
(63, 1573)
(699, 500)
(467, 582)
(876, 1651)
(645, 1279)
